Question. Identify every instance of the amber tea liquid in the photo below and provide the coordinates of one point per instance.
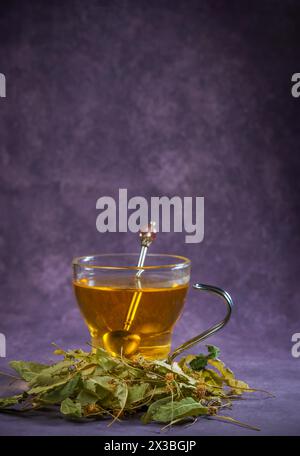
(105, 308)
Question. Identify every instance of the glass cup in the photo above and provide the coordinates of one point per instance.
(130, 309)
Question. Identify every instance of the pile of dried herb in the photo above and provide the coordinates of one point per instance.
(97, 385)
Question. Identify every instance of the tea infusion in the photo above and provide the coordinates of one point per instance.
(104, 309)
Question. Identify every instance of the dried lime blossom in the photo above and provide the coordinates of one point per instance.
(98, 385)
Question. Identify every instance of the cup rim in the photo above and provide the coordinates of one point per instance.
(79, 261)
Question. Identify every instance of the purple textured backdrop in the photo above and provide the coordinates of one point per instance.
(163, 98)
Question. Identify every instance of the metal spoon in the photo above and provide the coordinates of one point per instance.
(123, 341)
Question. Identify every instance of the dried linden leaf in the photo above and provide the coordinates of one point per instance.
(96, 384)
(26, 369)
(70, 408)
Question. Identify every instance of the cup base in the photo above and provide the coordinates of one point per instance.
(150, 352)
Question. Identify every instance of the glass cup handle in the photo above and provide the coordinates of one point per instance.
(195, 340)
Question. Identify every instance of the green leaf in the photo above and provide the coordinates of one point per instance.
(170, 411)
(175, 368)
(101, 386)
(70, 408)
(45, 388)
(51, 377)
(137, 393)
(9, 401)
(86, 398)
(148, 416)
(213, 351)
(26, 369)
(105, 361)
(125, 371)
(238, 387)
(212, 378)
(121, 394)
(62, 392)
(199, 363)
(53, 374)
(87, 371)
